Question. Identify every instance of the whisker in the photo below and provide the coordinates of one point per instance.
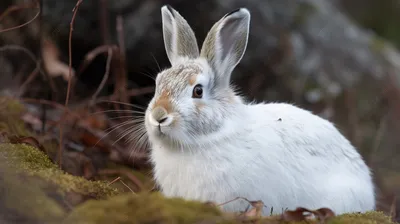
(123, 135)
(145, 74)
(115, 127)
(136, 117)
(117, 111)
(158, 65)
(122, 103)
(135, 134)
(142, 141)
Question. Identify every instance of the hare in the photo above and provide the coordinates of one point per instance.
(208, 144)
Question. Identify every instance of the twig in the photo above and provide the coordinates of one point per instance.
(51, 103)
(105, 77)
(393, 210)
(121, 172)
(230, 201)
(121, 74)
(126, 186)
(121, 34)
(113, 181)
(30, 78)
(93, 54)
(18, 8)
(141, 91)
(71, 28)
(30, 54)
(103, 19)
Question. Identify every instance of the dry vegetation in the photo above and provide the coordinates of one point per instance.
(62, 154)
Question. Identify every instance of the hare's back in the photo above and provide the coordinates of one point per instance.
(301, 133)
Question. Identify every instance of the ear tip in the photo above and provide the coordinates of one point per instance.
(239, 12)
(167, 9)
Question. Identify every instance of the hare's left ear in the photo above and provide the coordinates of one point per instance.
(226, 43)
(179, 39)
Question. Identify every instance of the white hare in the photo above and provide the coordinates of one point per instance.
(207, 144)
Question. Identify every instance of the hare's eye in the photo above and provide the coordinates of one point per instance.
(197, 91)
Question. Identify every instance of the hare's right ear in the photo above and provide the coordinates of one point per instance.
(179, 39)
(226, 43)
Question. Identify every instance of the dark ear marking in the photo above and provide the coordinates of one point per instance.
(230, 13)
(170, 9)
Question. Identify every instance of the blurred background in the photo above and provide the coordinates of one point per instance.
(339, 59)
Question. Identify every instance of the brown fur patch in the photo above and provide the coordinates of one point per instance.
(192, 79)
(164, 102)
(199, 106)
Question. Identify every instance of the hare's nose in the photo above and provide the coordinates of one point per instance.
(160, 116)
(161, 120)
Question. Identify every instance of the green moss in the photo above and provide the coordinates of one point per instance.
(10, 122)
(366, 218)
(31, 161)
(144, 208)
(154, 208)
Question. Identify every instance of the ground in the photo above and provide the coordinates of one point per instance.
(34, 190)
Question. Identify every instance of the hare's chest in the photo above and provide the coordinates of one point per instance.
(198, 177)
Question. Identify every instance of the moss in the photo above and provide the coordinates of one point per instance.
(144, 208)
(154, 208)
(366, 218)
(31, 161)
(10, 122)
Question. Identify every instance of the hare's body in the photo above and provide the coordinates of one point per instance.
(208, 145)
(299, 160)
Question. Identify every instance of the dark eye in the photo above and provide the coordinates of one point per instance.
(197, 91)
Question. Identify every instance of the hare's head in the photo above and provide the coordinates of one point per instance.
(194, 97)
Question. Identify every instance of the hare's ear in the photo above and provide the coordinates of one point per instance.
(179, 39)
(226, 43)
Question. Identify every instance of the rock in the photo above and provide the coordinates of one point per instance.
(293, 40)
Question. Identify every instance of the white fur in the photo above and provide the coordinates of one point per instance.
(276, 152)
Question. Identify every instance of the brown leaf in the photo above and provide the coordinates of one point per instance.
(52, 63)
(256, 210)
(296, 215)
(252, 213)
(302, 214)
(27, 140)
(324, 214)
